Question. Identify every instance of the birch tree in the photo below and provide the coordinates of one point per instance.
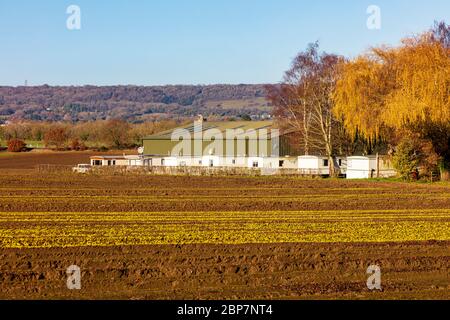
(303, 101)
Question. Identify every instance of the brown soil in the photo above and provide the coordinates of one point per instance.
(28, 160)
(25, 190)
(276, 271)
(417, 270)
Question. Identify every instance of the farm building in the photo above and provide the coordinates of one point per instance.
(245, 144)
(108, 161)
(240, 144)
(213, 139)
(366, 167)
(124, 160)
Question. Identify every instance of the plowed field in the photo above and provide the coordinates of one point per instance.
(159, 237)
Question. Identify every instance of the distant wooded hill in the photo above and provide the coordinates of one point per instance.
(131, 103)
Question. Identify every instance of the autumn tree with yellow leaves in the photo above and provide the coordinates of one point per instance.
(404, 89)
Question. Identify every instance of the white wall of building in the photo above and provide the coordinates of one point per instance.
(342, 164)
(235, 162)
(255, 162)
(271, 163)
(169, 162)
(212, 161)
(189, 161)
(358, 168)
(314, 165)
(119, 161)
(155, 161)
(289, 163)
(135, 162)
(365, 168)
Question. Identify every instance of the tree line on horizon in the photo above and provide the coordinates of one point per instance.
(136, 104)
(94, 135)
(390, 99)
(113, 134)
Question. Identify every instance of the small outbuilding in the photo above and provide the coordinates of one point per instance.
(320, 165)
(314, 165)
(124, 160)
(288, 162)
(97, 161)
(367, 167)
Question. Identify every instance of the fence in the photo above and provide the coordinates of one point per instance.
(193, 171)
(183, 170)
(53, 168)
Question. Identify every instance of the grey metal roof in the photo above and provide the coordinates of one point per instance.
(223, 126)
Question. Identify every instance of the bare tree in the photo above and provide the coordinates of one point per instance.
(303, 101)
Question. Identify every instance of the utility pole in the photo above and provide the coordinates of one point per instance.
(378, 165)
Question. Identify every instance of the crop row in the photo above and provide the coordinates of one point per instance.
(20, 229)
(289, 198)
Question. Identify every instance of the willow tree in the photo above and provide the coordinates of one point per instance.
(405, 88)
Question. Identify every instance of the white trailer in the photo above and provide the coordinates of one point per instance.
(361, 167)
(288, 162)
(314, 165)
(367, 167)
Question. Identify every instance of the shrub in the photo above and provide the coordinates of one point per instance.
(16, 145)
(407, 158)
(55, 137)
(116, 134)
(76, 145)
(412, 154)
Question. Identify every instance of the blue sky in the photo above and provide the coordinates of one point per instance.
(157, 42)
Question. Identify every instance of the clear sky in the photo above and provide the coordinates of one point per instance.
(156, 42)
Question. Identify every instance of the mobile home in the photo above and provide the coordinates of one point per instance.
(97, 161)
(367, 167)
(314, 165)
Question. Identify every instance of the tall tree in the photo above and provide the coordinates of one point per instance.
(303, 101)
(116, 133)
(406, 88)
(56, 137)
